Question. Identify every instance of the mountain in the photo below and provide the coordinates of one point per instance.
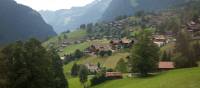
(101, 10)
(129, 7)
(18, 22)
(69, 19)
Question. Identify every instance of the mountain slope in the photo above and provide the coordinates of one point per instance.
(68, 19)
(18, 22)
(129, 7)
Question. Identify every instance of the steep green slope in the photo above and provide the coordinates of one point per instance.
(183, 78)
(70, 36)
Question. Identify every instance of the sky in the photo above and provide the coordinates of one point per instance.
(53, 4)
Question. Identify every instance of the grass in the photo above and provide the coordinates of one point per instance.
(72, 48)
(182, 78)
(71, 36)
(74, 83)
(77, 34)
(108, 62)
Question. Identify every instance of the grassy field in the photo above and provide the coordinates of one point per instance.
(109, 62)
(72, 48)
(71, 36)
(74, 83)
(183, 78)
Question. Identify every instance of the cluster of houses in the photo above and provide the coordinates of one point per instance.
(162, 40)
(119, 24)
(123, 43)
(162, 66)
(71, 42)
(194, 27)
(114, 45)
(93, 68)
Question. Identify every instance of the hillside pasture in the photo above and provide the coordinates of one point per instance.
(182, 78)
(70, 36)
(72, 48)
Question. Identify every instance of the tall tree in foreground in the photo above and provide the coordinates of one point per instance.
(144, 56)
(29, 65)
(57, 70)
(83, 74)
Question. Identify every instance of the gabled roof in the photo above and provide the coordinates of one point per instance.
(160, 37)
(125, 40)
(113, 74)
(166, 65)
(102, 46)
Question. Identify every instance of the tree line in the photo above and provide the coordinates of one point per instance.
(29, 65)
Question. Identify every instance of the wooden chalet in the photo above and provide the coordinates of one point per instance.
(114, 75)
(160, 40)
(193, 26)
(92, 68)
(95, 48)
(123, 43)
(166, 65)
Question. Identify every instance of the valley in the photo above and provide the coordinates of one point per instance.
(104, 44)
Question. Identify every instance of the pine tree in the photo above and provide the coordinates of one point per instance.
(83, 74)
(165, 56)
(75, 70)
(57, 69)
(183, 46)
(121, 66)
(144, 56)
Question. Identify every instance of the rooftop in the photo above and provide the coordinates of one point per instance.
(166, 65)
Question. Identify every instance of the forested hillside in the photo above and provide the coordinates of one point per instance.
(101, 10)
(18, 22)
(129, 7)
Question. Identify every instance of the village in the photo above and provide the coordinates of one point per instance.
(115, 45)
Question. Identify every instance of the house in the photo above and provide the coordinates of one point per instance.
(160, 40)
(193, 26)
(166, 65)
(62, 58)
(92, 68)
(123, 43)
(115, 44)
(114, 75)
(95, 48)
(100, 47)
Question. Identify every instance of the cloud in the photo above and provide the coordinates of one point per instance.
(53, 4)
